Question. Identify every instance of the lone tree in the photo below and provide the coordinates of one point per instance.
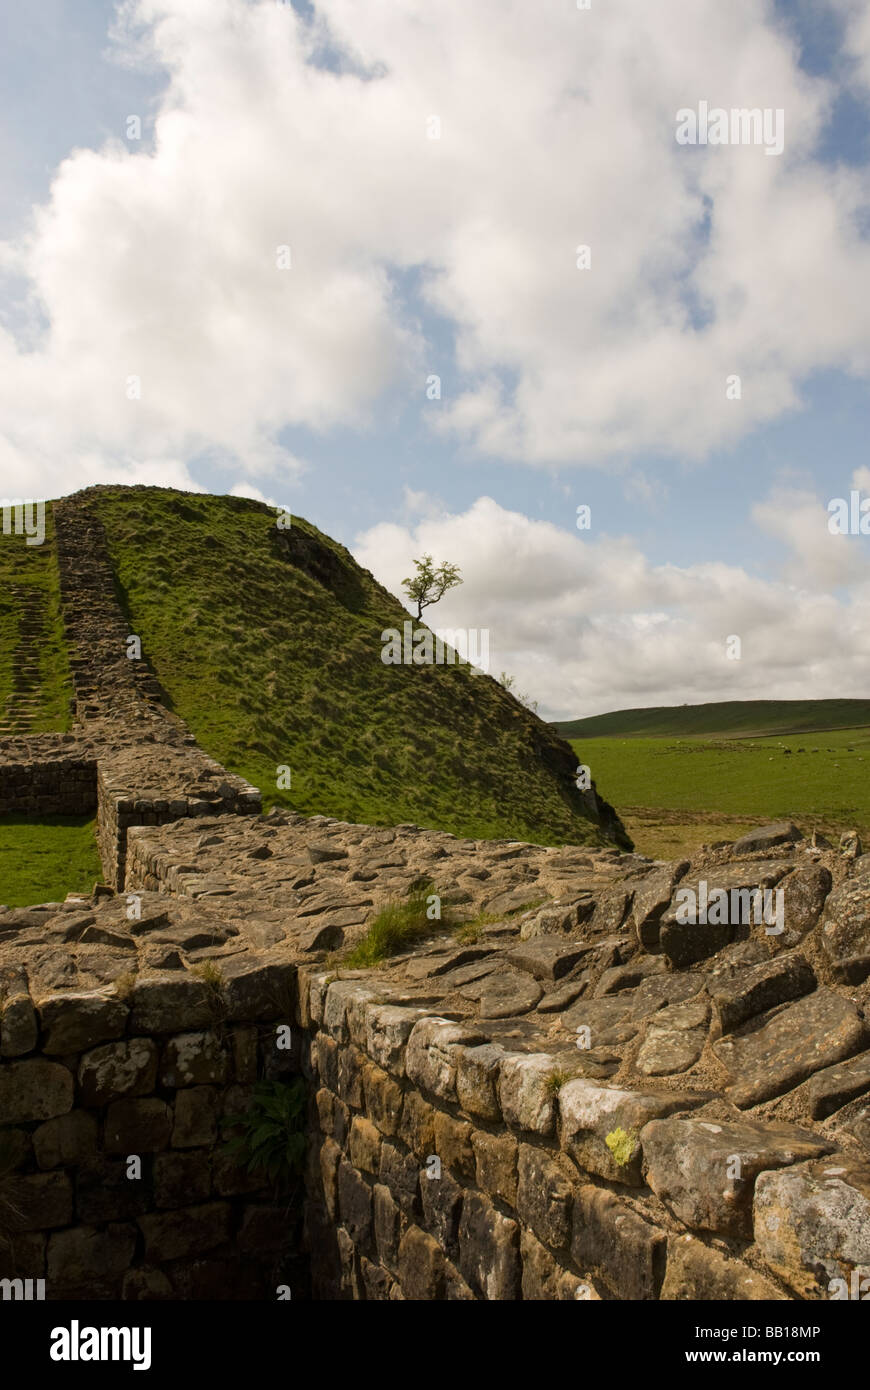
(430, 584)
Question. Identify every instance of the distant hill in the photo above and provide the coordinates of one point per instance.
(729, 719)
(268, 642)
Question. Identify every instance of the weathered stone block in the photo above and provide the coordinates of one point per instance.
(118, 1069)
(354, 1203)
(19, 1029)
(264, 1231)
(816, 1032)
(545, 1280)
(40, 1200)
(85, 1256)
(330, 1157)
(137, 1126)
(613, 1241)
(105, 1193)
(441, 1199)
(749, 992)
(182, 1178)
(377, 1283)
(401, 1173)
(383, 1098)
(453, 1145)
(187, 1231)
(526, 1093)
(544, 1194)
(812, 1226)
(496, 1164)
(350, 1064)
(417, 1125)
(489, 1249)
(244, 1044)
(477, 1074)
(421, 1266)
(706, 1170)
(74, 1021)
(696, 1272)
(388, 1028)
(364, 1145)
(193, 1059)
(387, 1226)
(196, 1117)
(432, 1052)
(34, 1090)
(67, 1139)
(256, 987)
(601, 1126)
(171, 1003)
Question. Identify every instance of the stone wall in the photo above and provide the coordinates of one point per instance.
(54, 779)
(114, 1180)
(443, 1167)
(710, 1141)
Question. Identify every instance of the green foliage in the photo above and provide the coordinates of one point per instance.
(395, 928)
(272, 1131)
(556, 1079)
(429, 584)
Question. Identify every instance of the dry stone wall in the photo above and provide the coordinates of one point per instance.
(47, 775)
(709, 1139)
(117, 1182)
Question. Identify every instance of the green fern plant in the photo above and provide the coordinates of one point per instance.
(272, 1135)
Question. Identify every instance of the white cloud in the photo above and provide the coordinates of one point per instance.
(586, 624)
(557, 128)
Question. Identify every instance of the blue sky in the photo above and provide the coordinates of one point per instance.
(414, 257)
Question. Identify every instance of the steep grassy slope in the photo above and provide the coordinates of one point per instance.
(268, 643)
(35, 683)
(729, 719)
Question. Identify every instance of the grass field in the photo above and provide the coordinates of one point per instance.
(674, 794)
(42, 861)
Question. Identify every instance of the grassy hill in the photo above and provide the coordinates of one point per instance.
(268, 643)
(35, 682)
(728, 719)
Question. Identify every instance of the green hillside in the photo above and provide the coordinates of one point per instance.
(268, 643)
(729, 719)
(35, 682)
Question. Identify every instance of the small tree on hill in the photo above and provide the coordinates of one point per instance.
(429, 584)
(509, 684)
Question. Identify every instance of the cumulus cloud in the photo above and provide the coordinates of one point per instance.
(586, 624)
(164, 322)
